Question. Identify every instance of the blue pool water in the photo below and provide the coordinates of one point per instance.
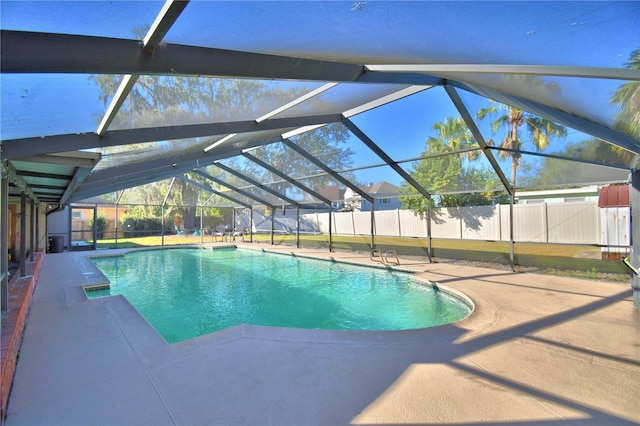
(185, 293)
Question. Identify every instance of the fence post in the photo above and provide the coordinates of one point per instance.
(499, 207)
(353, 224)
(546, 222)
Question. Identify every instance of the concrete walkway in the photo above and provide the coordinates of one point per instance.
(537, 350)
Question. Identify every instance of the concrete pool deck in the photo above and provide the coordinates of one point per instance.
(537, 350)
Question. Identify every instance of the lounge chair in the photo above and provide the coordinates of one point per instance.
(219, 232)
(179, 231)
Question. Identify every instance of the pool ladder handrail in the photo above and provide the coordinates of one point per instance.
(386, 255)
(376, 256)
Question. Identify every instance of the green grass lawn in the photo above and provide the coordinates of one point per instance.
(559, 250)
(557, 259)
(151, 241)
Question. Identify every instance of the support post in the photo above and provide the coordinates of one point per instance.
(202, 230)
(233, 219)
(116, 224)
(23, 236)
(429, 247)
(164, 203)
(273, 218)
(373, 227)
(634, 257)
(161, 224)
(95, 227)
(32, 230)
(4, 244)
(330, 227)
(37, 216)
(511, 236)
(251, 226)
(70, 222)
(297, 226)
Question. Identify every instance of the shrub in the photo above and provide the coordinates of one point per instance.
(101, 227)
(139, 227)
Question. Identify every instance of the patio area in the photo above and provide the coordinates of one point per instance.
(536, 350)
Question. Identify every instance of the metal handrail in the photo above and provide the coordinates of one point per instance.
(373, 253)
(386, 254)
(627, 262)
(376, 256)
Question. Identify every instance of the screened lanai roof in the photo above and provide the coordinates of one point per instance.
(273, 102)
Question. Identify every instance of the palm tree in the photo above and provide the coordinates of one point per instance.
(443, 167)
(453, 135)
(512, 120)
(627, 98)
(627, 120)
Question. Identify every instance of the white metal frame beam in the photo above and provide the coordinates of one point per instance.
(407, 91)
(540, 70)
(165, 19)
(289, 179)
(256, 184)
(32, 52)
(139, 173)
(554, 114)
(385, 157)
(213, 191)
(477, 135)
(233, 188)
(297, 101)
(288, 143)
(17, 148)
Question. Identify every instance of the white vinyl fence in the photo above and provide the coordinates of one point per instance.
(577, 222)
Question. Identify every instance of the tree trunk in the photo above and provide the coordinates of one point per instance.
(190, 218)
(513, 144)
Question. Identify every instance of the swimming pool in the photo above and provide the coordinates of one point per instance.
(187, 292)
